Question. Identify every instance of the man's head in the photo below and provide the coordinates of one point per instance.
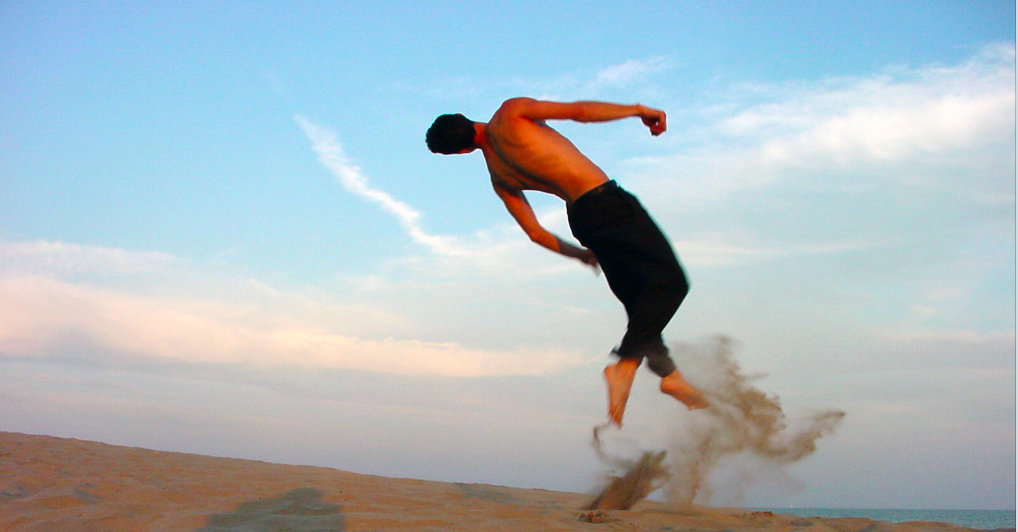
(451, 134)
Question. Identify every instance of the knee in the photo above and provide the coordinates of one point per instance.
(682, 284)
(681, 288)
(661, 364)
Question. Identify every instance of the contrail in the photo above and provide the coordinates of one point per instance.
(330, 153)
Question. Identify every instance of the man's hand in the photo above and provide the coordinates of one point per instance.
(587, 257)
(581, 254)
(518, 206)
(654, 119)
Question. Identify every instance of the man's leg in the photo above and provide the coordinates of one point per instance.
(619, 378)
(650, 306)
(651, 311)
(675, 385)
(645, 275)
(626, 284)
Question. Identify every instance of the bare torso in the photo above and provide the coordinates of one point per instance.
(524, 154)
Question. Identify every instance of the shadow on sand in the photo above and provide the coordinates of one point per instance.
(300, 510)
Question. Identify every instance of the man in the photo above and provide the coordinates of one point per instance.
(523, 153)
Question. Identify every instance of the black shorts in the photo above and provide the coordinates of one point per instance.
(639, 265)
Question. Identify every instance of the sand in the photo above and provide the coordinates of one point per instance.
(56, 484)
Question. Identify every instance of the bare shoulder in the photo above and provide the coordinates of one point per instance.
(502, 186)
(540, 110)
(520, 101)
(515, 106)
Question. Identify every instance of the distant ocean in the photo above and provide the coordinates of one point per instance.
(980, 519)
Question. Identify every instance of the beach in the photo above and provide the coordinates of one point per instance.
(59, 484)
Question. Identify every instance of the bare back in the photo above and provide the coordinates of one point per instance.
(523, 153)
(526, 154)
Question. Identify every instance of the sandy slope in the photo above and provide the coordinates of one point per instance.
(55, 484)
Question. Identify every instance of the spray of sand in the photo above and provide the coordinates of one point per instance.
(742, 420)
(641, 477)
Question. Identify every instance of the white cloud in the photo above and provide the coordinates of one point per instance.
(68, 301)
(631, 70)
(501, 251)
(330, 153)
(713, 249)
(42, 318)
(140, 308)
(882, 206)
(494, 251)
(629, 77)
(427, 313)
(67, 258)
(892, 124)
(896, 121)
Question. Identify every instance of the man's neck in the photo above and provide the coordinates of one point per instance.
(480, 134)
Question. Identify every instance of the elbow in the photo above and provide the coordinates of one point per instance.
(581, 112)
(541, 238)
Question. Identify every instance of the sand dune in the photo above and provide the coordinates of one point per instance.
(64, 485)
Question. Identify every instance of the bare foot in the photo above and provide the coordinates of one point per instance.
(619, 377)
(676, 386)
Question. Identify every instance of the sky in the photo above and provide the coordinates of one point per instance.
(221, 233)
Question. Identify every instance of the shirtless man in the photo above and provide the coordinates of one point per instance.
(523, 153)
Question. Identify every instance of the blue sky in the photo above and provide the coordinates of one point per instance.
(222, 233)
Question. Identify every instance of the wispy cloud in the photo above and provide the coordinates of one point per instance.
(713, 249)
(812, 141)
(939, 130)
(901, 117)
(330, 153)
(495, 251)
(634, 77)
(98, 305)
(66, 258)
(48, 313)
(887, 118)
(631, 71)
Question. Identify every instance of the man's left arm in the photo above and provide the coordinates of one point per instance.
(586, 111)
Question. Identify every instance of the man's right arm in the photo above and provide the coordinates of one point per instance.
(584, 111)
(518, 206)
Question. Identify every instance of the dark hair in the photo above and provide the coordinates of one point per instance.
(450, 134)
